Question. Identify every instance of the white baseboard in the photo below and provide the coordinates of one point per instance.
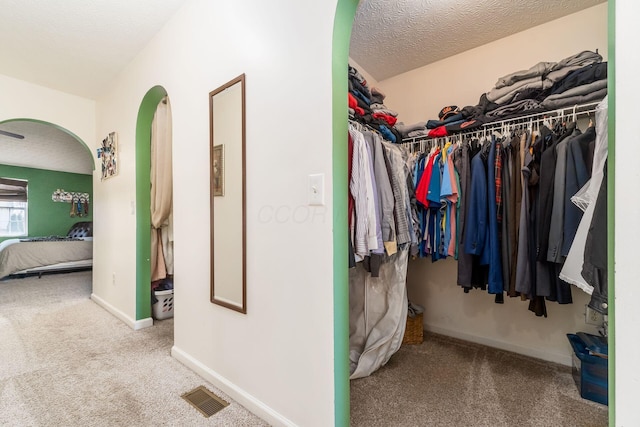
(236, 393)
(563, 359)
(133, 324)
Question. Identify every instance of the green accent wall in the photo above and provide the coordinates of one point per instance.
(46, 217)
(345, 12)
(611, 203)
(143, 200)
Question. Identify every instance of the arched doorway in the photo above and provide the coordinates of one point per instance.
(53, 168)
(50, 162)
(146, 113)
(345, 14)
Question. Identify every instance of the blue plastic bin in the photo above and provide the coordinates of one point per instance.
(590, 373)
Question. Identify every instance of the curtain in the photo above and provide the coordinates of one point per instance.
(161, 193)
(13, 190)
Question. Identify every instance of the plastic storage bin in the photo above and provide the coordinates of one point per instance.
(163, 309)
(590, 373)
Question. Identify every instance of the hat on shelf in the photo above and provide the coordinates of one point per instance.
(448, 111)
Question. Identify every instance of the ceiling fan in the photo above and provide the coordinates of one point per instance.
(11, 134)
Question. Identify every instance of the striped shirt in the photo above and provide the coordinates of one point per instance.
(361, 187)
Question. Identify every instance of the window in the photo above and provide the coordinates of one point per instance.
(13, 207)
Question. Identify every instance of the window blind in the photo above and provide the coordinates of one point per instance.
(13, 190)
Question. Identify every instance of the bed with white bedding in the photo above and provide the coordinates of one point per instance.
(47, 254)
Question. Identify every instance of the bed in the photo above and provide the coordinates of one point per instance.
(37, 255)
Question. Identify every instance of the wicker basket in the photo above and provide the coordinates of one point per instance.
(413, 332)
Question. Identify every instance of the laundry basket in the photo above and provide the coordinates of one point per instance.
(163, 309)
(413, 333)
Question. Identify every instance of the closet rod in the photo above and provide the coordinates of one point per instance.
(561, 112)
(576, 110)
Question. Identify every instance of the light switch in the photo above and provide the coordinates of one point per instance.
(316, 189)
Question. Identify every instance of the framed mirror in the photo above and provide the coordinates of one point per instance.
(228, 195)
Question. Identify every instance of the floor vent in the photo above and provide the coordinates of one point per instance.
(205, 401)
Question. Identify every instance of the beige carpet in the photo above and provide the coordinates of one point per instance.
(64, 361)
(447, 382)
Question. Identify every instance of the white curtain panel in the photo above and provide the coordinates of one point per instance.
(161, 193)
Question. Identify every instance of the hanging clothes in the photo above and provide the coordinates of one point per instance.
(572, 270)
(548, 282)
(524, 271)
(494, 194)
(498, 206)
(594, 269)
(382, 228)
(476, 242)
(462, 163)
(365, 228)
(577, 174)
(513, 207)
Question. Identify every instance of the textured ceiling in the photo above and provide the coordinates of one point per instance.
(79, 47)
(393, 37)
(44, 147)
(76, 46)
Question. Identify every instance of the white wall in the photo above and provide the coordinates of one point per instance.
(277, 360)
(418, 95)
(21, 99)
(627, 212)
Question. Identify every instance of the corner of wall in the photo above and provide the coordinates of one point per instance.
(132, 323)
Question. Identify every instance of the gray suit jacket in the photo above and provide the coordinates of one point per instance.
(557, 213)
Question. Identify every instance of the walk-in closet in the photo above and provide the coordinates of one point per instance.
(477, 211)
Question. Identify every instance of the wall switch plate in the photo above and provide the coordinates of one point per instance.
(316, 189)
(592, 317)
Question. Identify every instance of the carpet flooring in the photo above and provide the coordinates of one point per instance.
(448, 382)
(65, 361)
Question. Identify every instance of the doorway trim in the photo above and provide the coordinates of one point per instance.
(611, 205)
(143, 200)
(343, 24)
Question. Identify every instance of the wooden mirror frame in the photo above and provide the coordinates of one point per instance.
(224, 190)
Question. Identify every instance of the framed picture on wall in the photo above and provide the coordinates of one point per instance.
(218, 170)
(108, 152)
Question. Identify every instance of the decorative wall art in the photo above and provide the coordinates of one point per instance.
(68, 196)
(108, 152)
(79, 201)
(218, 170)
